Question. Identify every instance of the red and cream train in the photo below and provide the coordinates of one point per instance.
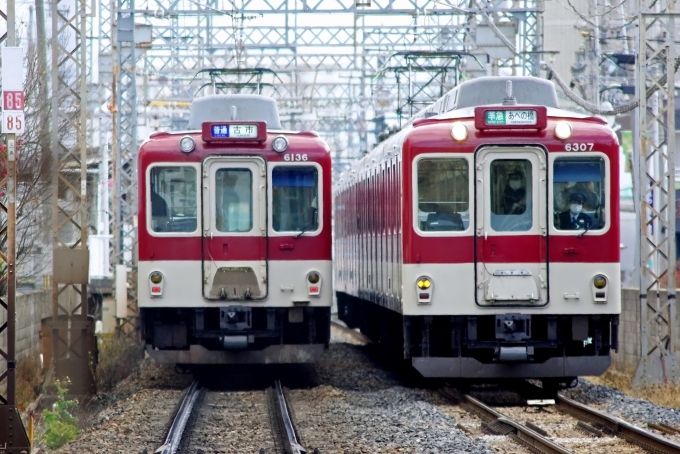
(235, 238)
(482, 240)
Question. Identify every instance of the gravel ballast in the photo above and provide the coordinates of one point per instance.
(361, 408)
(632, 409)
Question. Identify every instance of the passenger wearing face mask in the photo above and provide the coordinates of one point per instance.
(514, 195)
(573, 219)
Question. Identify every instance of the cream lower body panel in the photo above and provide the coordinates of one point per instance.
(570, 290)
(183, 287)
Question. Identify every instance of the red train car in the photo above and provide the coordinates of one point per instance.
(235, 238)
(482, 240)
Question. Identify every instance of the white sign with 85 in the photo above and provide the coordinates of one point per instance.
(13, 121)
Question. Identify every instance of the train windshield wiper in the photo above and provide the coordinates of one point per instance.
(587, 225)
(307, 228)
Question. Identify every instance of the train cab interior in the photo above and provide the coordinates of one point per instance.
(578, 193)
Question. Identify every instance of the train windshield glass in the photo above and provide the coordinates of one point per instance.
(172, 192)
(511, 194)
(234, 200)
(443, 195)
(578, 193)
(295, 206)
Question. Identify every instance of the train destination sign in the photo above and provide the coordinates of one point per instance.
(234, 131)
(510, 117)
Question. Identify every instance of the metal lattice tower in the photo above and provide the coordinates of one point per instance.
(69, 193)
(125, 157)
(530, 36)
(656, 169)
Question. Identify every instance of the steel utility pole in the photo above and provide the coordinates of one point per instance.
(13, 438)
(657, 54)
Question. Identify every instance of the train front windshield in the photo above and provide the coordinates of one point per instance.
(173, 199)
(578, 193)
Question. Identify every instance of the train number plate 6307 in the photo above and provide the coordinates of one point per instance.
(583, 146)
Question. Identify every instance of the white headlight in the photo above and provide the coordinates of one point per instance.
(459, 132)
(563, 130)
(280, 144)
(187, 144)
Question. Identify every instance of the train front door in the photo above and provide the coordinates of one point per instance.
(511, 226)
(234, 228)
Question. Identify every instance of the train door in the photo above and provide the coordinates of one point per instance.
(234, 228)
(511, 226)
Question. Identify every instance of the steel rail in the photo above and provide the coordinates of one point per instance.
(611, 424)
(291, 444)
(176, 431)
(519, 432)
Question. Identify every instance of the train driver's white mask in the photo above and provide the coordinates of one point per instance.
(515, 184)
(575, 208)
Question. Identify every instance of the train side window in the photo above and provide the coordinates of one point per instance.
(511, 189)
(578, 193)
(172, 191)
(295, 199)
(443, 195)
(234, 200)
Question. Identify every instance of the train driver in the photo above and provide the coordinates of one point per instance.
(514, 195)
(573, 218)
(159, 211)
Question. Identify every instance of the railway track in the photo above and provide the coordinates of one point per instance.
(211, 418)
(599, 431)
(600, 423)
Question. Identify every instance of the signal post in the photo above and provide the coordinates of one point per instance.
(13, 438)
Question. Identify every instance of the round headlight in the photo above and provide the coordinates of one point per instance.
(156, 277)
(313, 277)
(187, 144)
(424, 283)
(459, 132)
(600, 281)
(280, 144)
(563, 130)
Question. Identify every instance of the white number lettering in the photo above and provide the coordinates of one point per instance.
(19, 101)
(579, 146)
(295, 157)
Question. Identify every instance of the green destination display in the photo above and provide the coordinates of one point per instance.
(510, 117)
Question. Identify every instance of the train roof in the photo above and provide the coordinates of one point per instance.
(488, 90)
(462, 100)
(226, 108)
(234, 107)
